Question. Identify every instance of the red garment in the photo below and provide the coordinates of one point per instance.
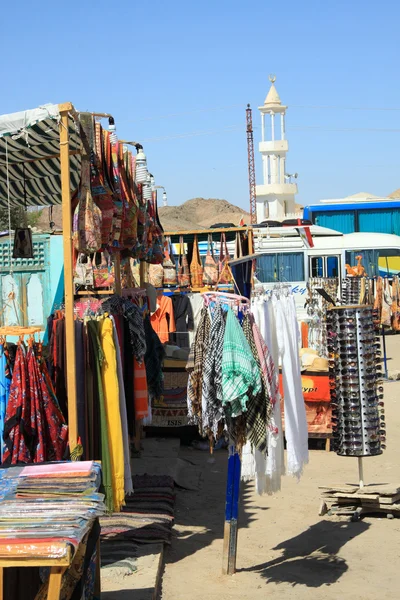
(162, 320)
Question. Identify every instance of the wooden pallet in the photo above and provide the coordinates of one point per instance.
(353, 502)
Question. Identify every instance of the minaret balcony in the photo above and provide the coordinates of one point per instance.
(276, 146)
(276, 189)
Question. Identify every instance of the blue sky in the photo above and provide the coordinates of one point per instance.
(177, 76)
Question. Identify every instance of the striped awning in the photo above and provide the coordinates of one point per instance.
(29, 157)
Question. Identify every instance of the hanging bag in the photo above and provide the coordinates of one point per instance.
(183, 267)
(103, 273)
(83, 273)
(210, 275)
(223, 266)
(196, 267)
(170, 276)
(156, 275)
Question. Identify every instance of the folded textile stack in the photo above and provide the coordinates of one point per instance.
(42, 505)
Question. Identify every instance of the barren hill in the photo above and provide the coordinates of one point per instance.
(200, 213)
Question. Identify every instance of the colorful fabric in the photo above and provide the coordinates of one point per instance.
(240, 373)
(111, 400)
(141, 393)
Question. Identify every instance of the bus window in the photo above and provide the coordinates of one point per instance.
(285, 266)
(380, 261)
(332, 266)
(317, 266)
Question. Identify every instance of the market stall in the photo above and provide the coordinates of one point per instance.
(56, 155)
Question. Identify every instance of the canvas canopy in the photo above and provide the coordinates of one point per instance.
(30, 171)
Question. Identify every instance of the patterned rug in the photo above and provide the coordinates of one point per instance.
(148, 515)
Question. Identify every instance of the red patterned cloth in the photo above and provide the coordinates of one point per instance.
(35, 429)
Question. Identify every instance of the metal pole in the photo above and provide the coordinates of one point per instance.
(360, 472)
(384, 353)
(231, 512)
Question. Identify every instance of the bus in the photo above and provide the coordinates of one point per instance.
(283, 256)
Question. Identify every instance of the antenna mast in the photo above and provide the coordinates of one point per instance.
(251, 165)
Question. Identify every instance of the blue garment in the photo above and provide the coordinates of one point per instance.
(5, 383)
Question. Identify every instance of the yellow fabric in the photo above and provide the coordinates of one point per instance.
(111, 400)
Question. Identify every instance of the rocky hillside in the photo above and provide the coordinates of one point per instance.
(200, 213)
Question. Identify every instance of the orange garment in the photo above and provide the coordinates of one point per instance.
(161, 325)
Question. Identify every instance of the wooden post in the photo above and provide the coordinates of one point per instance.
(68, 277)
(142, 272)
(55, 579)
(117, 273)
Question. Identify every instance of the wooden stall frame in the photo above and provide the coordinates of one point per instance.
(65, 109)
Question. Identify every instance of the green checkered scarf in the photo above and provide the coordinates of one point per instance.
(240, 373)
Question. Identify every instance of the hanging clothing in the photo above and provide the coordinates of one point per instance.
(296, 430)
(195, 367)
(93, 328)
(122, 306)
(5, 383)
(256, 415)
(162, 320)
(153, 360)
(196, 304)
(128, 487)
(111, 400)
(183, 316)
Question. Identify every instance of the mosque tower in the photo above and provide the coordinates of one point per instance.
(276, 195)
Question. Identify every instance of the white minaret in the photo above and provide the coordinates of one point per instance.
(275, 197)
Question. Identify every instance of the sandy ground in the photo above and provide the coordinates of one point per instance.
(285, 550)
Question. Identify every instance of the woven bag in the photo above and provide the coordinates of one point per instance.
(183, 267)
(196, 267)
(210, 275)
(223, 266)
(170, 275)
(156, 275)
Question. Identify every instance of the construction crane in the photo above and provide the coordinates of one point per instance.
(251, 165)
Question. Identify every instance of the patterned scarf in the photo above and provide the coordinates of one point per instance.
(195, 367)
(212, 410)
